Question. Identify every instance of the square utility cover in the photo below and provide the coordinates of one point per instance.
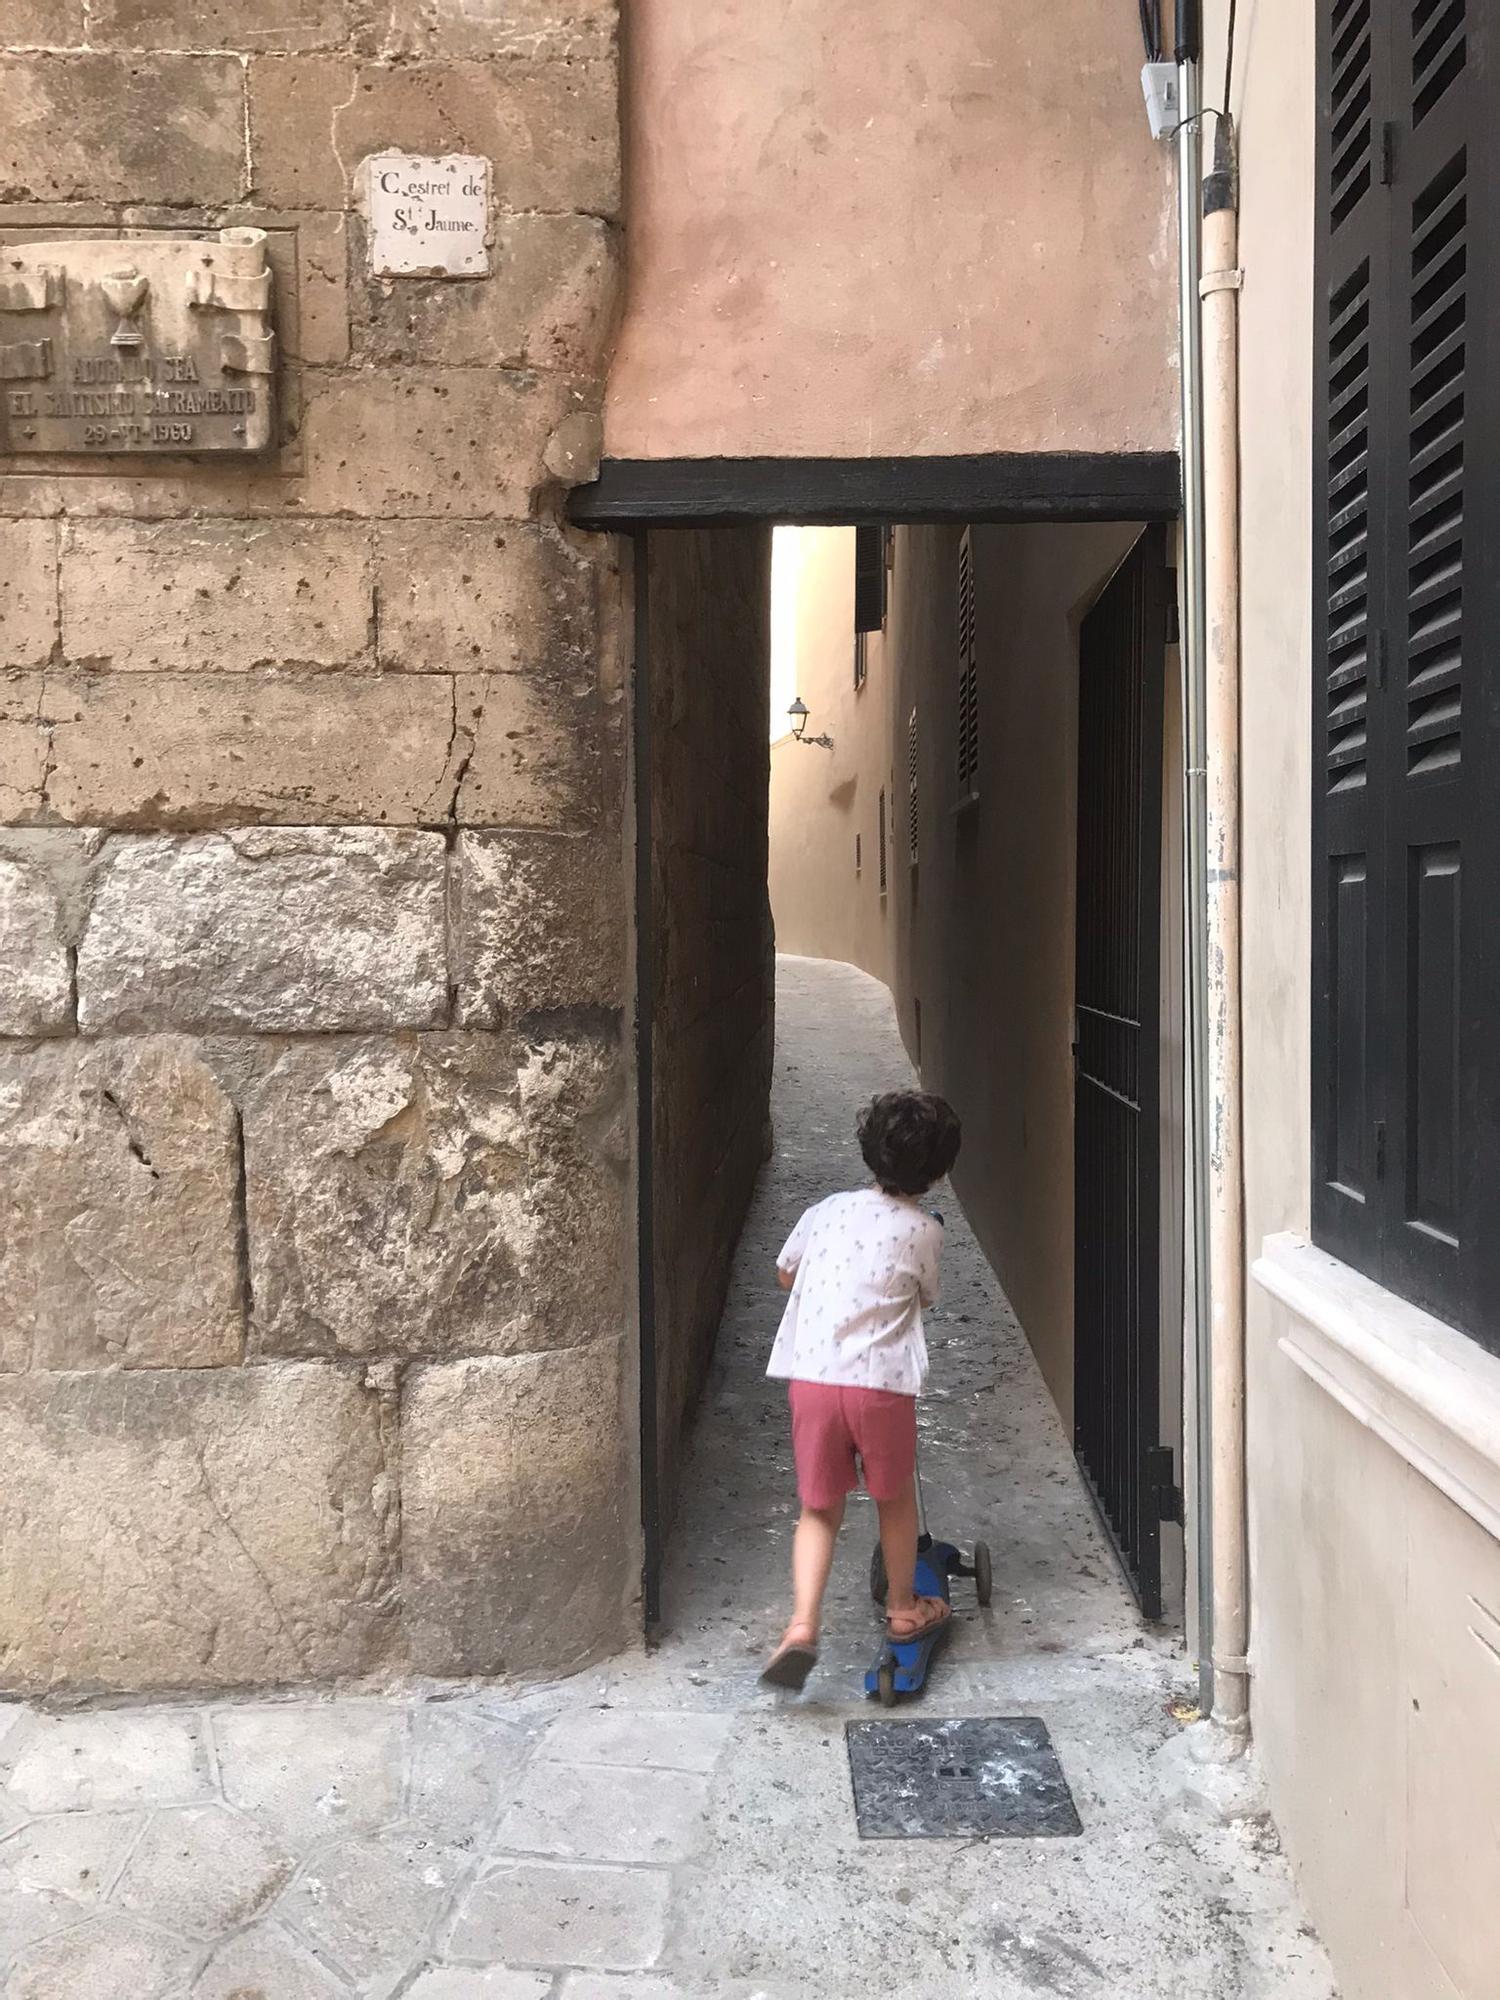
(997, 1775)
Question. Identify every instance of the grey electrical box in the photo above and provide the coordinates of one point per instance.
(1159, 88)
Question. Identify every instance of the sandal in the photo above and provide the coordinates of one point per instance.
(926, 1614)
(790, 1665)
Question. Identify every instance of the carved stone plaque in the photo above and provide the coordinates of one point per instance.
(141, 344)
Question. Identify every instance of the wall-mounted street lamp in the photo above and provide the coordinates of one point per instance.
(799, 714)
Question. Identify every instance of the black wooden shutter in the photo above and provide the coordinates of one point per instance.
(869, 579)
(1352, 451)
(1406, 1137)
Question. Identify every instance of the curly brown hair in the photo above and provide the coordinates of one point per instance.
(909, 1139)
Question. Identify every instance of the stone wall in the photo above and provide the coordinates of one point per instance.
(313, 1344)
(709, 636)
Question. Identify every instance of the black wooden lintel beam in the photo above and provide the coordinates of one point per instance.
(845, 492)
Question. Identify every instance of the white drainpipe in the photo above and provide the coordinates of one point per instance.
(1219, 289)
(1208, 308)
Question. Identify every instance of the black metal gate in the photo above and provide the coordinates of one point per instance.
(1117, 1041)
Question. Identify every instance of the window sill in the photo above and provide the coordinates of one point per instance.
(1430, 1392)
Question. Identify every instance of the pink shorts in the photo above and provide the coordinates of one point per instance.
(830, 1424)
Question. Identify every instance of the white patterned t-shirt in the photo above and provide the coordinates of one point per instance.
(863, 1264)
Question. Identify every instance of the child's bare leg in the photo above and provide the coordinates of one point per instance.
(898, 1544)
(812, 1559)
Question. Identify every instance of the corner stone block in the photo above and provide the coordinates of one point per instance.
(220, 596)
(193, 751)
(554, 30)
(448, 441)
(436, 1196)
(550, 128)
(313, 928)
(118, 1170)
(192, 1530)
(283, 25)
(549, 304)
(36, 981)
(540, 923)
(28, 593)
(515, 1554)
(23, 746)
(501, 598)
(48, 24)
(71, 128)
(535, 761)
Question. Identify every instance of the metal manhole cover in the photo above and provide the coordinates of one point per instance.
(997, 1775)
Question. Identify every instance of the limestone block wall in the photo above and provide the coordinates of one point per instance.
(313, 1169)
(713, 972)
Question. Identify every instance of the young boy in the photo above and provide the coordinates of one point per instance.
(860, 1267)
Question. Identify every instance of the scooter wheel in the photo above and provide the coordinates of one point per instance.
(984, 1581)
(885, 1684)
(877, 1574)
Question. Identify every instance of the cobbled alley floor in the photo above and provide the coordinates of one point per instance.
(662, 1828)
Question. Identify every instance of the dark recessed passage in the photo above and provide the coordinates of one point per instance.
(996, 1775)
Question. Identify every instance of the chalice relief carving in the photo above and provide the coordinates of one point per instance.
(126, 293)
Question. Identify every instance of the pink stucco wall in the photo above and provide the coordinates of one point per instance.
(891, 228)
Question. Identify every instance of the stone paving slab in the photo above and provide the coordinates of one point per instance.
(497, 1982)
(202, 1870)
(265, 1961)
(667, 1740)
(367, 1905)
(113, 1757)
(600, 1812)
(462, 1765)
(110, 1957)
(317, 1772)
(530, 1913)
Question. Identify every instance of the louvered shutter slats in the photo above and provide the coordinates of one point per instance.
(1406, 1028)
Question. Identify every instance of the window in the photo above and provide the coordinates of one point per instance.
(1406, 1053)
(869, 578)
(911, 787)
(881, 835)
(861, 659)
(968, 675)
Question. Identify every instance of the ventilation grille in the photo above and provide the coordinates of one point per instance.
(1439, 50)
(1351, 153)
(881, 835)
(1348, 530)
(968, 675)
(1435, 484)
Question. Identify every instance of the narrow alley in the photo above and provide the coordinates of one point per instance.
(661, 1828)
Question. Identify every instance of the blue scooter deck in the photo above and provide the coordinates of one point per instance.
(906, 1661)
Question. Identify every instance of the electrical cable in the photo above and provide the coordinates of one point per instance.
(1229, 57)
(1150, 12)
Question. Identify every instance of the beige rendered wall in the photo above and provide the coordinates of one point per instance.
(940, 229)
(985, 922)
(1376, 1706)
(826, 898)
(976, 940)
(316, 1347)
(713, 985)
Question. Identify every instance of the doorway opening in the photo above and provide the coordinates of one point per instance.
(907, 740)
